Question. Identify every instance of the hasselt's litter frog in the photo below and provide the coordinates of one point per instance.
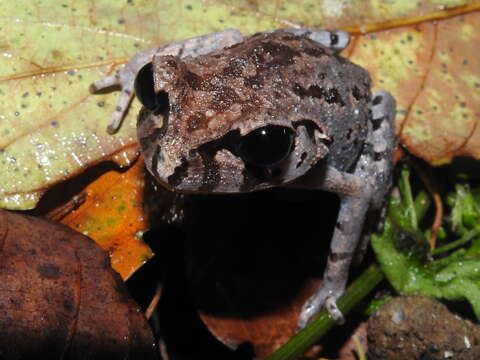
(227, 114)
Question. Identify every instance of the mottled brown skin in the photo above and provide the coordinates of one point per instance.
(269, 79)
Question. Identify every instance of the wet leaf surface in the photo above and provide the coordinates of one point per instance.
(60, 297)
(52, 128)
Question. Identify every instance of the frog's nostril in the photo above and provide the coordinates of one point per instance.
(377, 100)
(162, 103)
(302, 159)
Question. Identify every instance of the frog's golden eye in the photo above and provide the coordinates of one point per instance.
(144, 89)
(267, 146)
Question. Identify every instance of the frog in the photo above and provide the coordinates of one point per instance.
(227, 113)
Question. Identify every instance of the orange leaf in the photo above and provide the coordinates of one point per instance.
(266, 332)
(113, 216)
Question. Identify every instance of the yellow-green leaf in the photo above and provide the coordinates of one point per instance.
(51, 128)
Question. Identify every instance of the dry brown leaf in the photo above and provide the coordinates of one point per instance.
(266, 332)
(60, 297)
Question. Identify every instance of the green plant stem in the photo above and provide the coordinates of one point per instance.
(406, 191)
(359, 348)
(469, 236)
(422, 203)
(305, 338)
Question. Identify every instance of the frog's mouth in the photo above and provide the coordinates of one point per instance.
(267, 156)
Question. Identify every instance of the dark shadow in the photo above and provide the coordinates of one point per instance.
(236, 255)
(64, 191)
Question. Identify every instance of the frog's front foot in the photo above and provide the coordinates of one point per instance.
(123, 100)
(325, 297)
(123, 78)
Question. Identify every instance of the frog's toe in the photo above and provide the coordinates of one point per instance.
(104, 83)
(333, 310)
(309, 309)
(336, 40)
(115, 122)
(383, 105)
(124, 80)
(120, 110)
(313, 306)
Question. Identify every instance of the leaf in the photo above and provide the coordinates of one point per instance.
(354, 15)
(52, 128)
(453, 277)
(265, 332)
(113, 216)
(465, 208)
(432, 71)
(60, 298)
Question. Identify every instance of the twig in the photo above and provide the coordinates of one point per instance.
(437, 199)
(74, 203)
(153, 304)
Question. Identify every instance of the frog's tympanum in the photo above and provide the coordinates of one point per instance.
(227, 114)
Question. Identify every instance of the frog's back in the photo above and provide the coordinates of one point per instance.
(275, 77)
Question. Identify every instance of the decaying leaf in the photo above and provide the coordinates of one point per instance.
(60, 298)
(353, 15)
(265, 332)
(113, 216)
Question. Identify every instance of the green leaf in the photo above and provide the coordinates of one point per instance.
(465, 208)
(453, 277)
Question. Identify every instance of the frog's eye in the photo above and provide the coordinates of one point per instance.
(145, 91)
(266, 146)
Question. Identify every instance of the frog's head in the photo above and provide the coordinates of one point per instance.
(202, 130)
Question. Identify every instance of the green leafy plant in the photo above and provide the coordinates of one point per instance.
(449, 272)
